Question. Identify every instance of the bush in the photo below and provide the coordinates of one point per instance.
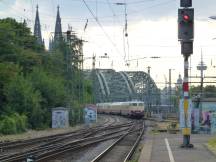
(12, 124)
(8, 126)
(21, 122)
(22, 98)
(51, 87)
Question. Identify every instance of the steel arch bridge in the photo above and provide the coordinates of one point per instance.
(112, 86)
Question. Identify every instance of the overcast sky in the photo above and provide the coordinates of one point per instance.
(152, 31)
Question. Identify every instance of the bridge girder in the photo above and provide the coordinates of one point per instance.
(112, 86)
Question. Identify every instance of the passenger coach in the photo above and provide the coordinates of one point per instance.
(133, 109)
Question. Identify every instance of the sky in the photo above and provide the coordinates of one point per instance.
(152, 32)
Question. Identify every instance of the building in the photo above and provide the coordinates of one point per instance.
(37, 28)
(54, 41)
(58, 36)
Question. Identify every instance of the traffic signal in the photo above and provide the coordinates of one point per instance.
(187, 48)
(186, 24)
(186, 3)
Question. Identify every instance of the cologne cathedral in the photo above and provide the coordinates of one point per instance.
(57, 34)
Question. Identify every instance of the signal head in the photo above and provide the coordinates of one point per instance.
(186, 17)
(186, 24)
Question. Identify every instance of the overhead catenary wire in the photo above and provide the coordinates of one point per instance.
(78, 19)
(126, 30)
(105, 1)
(17, 11)
(100, 25)
(132, 12)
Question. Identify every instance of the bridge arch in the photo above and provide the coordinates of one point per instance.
(112, 86)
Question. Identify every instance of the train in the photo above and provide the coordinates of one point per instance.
(132, 109)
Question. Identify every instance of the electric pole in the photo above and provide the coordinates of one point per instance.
(186, 36)
(201, 67)
(170, 90)
(148, 91)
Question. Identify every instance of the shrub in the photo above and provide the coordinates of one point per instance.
(21, 122)
(13, 124)
(8, 126)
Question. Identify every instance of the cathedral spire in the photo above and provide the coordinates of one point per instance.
(58, 27)
(37, 28)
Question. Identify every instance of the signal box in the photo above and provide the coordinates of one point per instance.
(186, 24)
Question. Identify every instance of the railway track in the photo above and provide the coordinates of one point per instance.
(56, 145)
(123, 148)
(54, 138)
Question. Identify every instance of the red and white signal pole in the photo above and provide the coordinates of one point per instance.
(186, 36)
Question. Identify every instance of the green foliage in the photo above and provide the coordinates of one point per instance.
(24, 99)
(8, 71)
(54, 63)
(14, 36)
(212, 142)
(51, 87)
(38, 119)
(209, 91)
(88, 92)
(194, 90)
(28, 59)
(21, 122)
(33, 81)
(8, 125)
(7, 36)
(76, 113)
(14, 123)
(52, 91)
(21, 95)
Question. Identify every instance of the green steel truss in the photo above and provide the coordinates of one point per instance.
(112, 86)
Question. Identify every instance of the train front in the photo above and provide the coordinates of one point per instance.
(137, 110)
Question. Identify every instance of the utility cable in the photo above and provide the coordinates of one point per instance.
(100, 25)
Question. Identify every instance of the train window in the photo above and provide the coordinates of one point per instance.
(140, 104)
(134, 104)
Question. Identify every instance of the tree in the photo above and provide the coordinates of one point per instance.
(8, 71)
(194, 90)
(209, 91)
(17, 35)
(51, 88)
(24, 99)
(33, 80)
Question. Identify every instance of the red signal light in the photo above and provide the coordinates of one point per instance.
(186, 17)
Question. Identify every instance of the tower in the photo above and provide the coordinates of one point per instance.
(37, 28)
(58, 28)
(50, 44)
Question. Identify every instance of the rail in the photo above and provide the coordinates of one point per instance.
(132, 150)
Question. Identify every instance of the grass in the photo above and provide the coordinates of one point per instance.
(212, 145)
(212, 142)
